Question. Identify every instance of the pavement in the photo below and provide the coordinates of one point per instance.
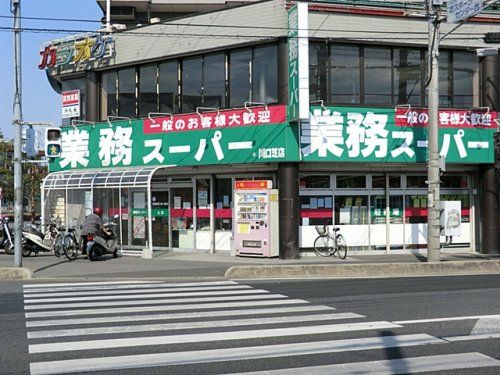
(191, 264)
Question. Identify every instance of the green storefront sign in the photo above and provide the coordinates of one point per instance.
(155, 212)
(253, 135)
(341, 134)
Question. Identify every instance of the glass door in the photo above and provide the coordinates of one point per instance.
(160, 215)
(181, 217)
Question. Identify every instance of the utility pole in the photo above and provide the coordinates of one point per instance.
(433, 182)
(17, 122)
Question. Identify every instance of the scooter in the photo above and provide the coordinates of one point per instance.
(6, 242)
(35, 241)
(106, 242)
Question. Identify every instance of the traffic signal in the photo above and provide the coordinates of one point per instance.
(30, 143)
(53, 142)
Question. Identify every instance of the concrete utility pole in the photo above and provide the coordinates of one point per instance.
(17, 122)
(433, 182)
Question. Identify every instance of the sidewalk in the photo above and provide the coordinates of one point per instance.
(183, 265)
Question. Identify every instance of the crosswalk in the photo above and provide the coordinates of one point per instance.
(93, 327)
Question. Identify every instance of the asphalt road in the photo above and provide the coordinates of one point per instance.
(400, 325)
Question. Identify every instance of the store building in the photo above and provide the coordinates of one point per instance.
(175, 112)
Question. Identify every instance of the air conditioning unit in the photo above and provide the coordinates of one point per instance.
(122, 13)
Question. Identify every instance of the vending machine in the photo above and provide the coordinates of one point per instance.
(256, 219)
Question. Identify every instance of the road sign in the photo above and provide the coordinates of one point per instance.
(459, 10)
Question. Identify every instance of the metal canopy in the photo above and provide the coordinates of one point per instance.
(111, 178)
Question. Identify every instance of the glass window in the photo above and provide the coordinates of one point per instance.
(416, 208)
(223, 203)
(416, 182)
(203, 204)
(351, 182)
(126, 92)
(377, 76)
(75, 84)
(167, 85)
(378, 181)
(265, 74)
(148, 96)
(378, 209)
(445, 77)
(315, 182)
(465, 66)
(109, 92)
(448, 181)
(191, 84)
(318, 65)
(344, 74)
(351, 210)
(316, 210)
(214, 82)
(407, 76)
(239, 77)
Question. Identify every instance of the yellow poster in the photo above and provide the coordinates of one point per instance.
(243, 228)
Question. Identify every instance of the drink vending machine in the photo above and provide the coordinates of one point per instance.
(256, 219)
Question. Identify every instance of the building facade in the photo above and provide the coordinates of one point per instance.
(173, 114)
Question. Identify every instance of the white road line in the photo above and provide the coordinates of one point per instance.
(147, 295)
(28, 286)
(186, 315)
(171, 301)
(185, 325)
(157, 289)
(393, 366)
(95, 364)
(115, 285)
(194, 306)
(447, 319)
(482, 336)
(206, 337)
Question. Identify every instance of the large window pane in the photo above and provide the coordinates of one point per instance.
(445, 77)
(239, 77)
(465, 66)
(75, 84)
(109, 92)
(191, 84)
(377, 78)
(214, 85)
(407, 76)
(344, 74)
(265, 74)
(148, 97)
(167, 84)
(126, 92)
(318, 65)
(351, 182)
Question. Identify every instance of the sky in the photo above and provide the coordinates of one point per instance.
(40, 103)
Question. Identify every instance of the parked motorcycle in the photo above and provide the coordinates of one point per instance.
(35, 241)
(7, 242)
(105, 242)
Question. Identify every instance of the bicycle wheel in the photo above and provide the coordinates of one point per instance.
(323, 245)
(341, 246)
(59, 245)
(70, 248)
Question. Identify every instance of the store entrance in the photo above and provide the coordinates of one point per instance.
(160, 217)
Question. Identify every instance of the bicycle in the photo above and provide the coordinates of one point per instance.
(330, 243)
(72, 246)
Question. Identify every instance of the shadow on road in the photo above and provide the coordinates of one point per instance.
(394, 352)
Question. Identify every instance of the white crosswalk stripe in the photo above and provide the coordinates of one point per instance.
(167, 323)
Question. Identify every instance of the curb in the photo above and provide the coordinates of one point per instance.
(366, 270)
(15, 273)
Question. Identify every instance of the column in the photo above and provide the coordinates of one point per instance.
(288, 185)
(91, 96)
(490, 204)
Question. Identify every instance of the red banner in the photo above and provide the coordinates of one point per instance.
(216, 120)
(451, 118)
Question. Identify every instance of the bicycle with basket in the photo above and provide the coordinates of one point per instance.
(329, 242)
